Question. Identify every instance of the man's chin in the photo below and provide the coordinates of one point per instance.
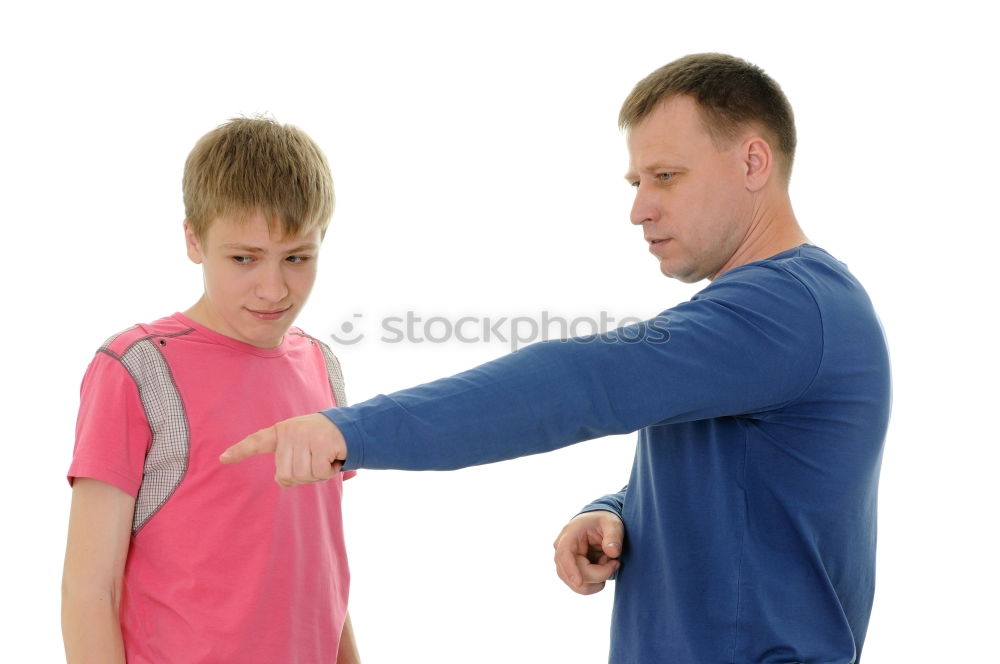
(685, 276)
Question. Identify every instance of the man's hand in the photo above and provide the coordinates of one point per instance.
(306, 449)
(586, 551)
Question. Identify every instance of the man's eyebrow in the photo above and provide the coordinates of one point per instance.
(655, 167)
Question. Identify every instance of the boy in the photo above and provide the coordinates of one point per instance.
(172, 557)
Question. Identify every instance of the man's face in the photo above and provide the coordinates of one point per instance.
(690, 199)
(255, 283)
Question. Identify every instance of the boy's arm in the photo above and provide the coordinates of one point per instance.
(100, 526)
(348, 653)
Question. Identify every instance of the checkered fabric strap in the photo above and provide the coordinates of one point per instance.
(167, 458)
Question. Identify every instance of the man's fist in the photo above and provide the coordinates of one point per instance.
(587, 550)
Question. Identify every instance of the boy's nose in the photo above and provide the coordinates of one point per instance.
(271, 286)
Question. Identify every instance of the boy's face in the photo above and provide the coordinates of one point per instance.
(255, 283)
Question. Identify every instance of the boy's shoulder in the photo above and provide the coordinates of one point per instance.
(297, 335)
(333, 368)
(169, 326)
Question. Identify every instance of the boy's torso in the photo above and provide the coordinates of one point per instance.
(223, 564)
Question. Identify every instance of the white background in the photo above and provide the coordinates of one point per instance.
(478, 171)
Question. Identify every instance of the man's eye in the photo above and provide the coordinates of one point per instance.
(241, 260)
(297, 259)
(635, 184)
(665, 177)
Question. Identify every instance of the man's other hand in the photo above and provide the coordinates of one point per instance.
(587, 550)
(306, 449)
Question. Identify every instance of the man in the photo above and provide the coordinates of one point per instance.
(746, 532)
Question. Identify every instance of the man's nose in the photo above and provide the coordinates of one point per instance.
(644, 208)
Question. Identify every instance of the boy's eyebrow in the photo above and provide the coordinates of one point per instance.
(236, 246)
(242, 247)
(305, 246)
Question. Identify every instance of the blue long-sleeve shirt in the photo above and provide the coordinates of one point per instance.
(761, 405)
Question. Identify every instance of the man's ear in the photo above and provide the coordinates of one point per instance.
(759, 162)
(194, 251)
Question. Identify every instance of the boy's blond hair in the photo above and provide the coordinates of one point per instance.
(250, 165)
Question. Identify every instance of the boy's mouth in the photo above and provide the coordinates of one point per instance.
(269, 314)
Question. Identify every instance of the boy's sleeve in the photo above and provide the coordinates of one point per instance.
(112, 432)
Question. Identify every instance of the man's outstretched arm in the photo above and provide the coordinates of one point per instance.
(709, 357)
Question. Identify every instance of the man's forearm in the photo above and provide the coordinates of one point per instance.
(538, 399)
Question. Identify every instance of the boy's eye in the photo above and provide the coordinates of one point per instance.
(297, 259)
(241, 260)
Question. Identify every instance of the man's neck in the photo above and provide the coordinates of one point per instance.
(774, 229)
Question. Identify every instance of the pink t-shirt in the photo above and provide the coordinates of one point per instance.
(223, 565)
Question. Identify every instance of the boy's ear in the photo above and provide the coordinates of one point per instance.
(193, 244)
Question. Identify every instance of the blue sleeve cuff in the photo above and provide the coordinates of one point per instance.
(596, 507)
(613, 502)
(352, 436)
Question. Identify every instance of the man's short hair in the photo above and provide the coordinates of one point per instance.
(250, 165)
(731, 93)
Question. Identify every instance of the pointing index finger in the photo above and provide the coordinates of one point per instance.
(262, 442)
